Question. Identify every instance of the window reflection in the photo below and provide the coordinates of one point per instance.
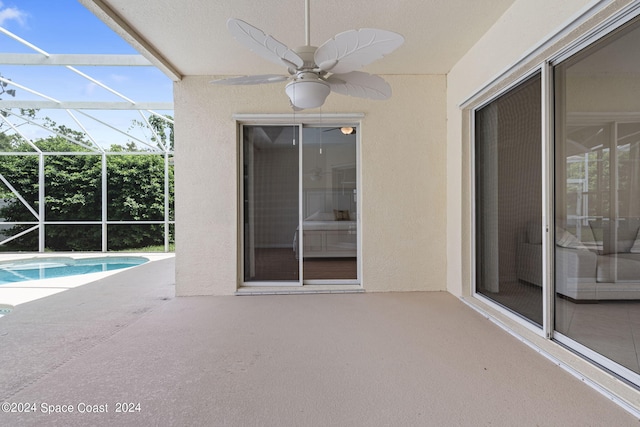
(329, 206)
(597, 252)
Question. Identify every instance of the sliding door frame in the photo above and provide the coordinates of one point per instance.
(301, 212)
(543, 59)
(241, 210)
(300, 121)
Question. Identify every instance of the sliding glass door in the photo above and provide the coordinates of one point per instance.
(597, 199)
(300, 205)
(557, 198)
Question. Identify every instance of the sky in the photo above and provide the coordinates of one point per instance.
(63, 27)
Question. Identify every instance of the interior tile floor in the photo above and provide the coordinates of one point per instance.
(362, 359)
(611, 328)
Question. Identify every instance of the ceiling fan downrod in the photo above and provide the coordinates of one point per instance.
(307, 24)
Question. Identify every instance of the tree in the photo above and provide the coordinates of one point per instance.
(73, 192)
(3, 91)
(162, 128)
(7, 142)
(136, 192)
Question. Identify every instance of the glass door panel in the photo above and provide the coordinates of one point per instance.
(329, 205)
(270, 203)
(508, 184)
(597, 203)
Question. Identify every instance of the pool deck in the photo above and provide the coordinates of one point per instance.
(12, 294)
(367, 359)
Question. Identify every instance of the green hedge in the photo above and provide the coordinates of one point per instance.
(73, 192)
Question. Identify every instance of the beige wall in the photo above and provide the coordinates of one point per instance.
(403, 184)
(517, 32)
(414, 162)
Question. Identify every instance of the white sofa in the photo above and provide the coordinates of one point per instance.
(606, 270)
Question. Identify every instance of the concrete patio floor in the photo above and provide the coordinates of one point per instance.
(368, 359)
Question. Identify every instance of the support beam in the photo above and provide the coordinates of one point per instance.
(75, 59)
(130, 35)
(85, 105)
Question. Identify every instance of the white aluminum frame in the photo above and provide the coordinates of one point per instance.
(68, 61)
(548, 203)
(40, 222)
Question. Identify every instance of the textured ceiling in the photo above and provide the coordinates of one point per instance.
(191, 37)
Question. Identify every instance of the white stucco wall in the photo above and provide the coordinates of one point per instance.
(403, 184)
(523, 27)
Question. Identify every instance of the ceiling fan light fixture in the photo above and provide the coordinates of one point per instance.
(317, 71)
(347, 130)
(307, 93)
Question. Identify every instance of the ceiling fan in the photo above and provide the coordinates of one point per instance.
(316, 71)
(345, 130)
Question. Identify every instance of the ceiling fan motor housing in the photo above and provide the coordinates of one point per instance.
(307, 54)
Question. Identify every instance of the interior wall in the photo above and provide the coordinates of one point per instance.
(522, 27)
(403, 187)
(275, 197)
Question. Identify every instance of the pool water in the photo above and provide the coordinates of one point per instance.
(53, 267)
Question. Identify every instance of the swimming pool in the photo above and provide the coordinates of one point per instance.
(55, 267)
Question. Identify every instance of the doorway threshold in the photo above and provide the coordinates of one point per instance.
(299, 290)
